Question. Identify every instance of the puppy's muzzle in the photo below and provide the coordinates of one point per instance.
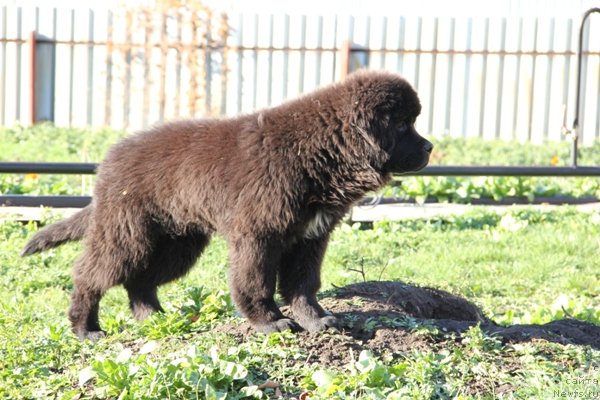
(427, 146)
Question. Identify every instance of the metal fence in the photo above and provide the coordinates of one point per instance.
(506, 78)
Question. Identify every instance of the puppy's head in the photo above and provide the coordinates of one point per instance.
(386, 110)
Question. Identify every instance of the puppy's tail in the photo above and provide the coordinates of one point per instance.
(56, 234)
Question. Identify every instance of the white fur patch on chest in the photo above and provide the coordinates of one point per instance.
(318, 225)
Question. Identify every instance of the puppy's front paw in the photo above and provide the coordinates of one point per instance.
(320, 324)
(280, 325)
(93, 336)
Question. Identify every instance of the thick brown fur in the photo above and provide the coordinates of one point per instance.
(273, 184)
(72, 228)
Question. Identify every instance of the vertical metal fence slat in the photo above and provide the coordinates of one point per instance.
(500, 87)
(53, 73)
(18, 61)
(240, 55)
(418, 56)
(128, 76)
(302, 54)
(255, 60)
(109, 67)
(532, 85)
(71, 65)
(449, 76)
(286, 54)
(368, 35)
(146, 60)
(482, 102)
(517, 80)
(208, 69)
(433, 75)
(401, 45)
(350, 35)
(90, 68)
(3, 72)
(270, 62)
(382, 56)
(549, 80)
(178, 67)
(335, 45)
(467, 76)
(224, 68)
(319, 53)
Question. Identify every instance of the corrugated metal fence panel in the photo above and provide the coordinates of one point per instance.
(505, 78)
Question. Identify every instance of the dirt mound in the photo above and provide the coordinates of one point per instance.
(447, 312)
(564, 331)
(383, 316)
(418, 302)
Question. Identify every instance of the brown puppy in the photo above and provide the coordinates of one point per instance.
(273, 184)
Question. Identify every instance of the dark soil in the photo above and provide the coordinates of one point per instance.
(384, 317)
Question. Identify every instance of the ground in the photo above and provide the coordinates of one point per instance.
(381, 317)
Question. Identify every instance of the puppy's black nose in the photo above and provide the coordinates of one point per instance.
(428, 146)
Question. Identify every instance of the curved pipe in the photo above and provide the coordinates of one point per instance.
(574, 135)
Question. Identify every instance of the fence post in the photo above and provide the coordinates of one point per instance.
(344, 59)
(350, 62)
(41, 88)
(32, 77)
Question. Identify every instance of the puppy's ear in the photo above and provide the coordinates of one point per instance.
(387, 140)
(383, 127)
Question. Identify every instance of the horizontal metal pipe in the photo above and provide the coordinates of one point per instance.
(81, 168)
(46, 201)
(464, 170)
(48, 168)
(82, 201)
(484, 201)
(506, 171)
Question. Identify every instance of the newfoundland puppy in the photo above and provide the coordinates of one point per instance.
(274, 184)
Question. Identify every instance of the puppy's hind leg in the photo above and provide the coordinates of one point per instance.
(171, 258)
(89, 287)
(299, 281)
(116, 246)
(143, 301)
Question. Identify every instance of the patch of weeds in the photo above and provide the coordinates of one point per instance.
(178, 375)
(199, 312)
(421, 327)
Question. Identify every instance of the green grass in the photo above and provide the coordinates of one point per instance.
(48, 143)
(523, 267)
(474, 151)
(45, 142)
